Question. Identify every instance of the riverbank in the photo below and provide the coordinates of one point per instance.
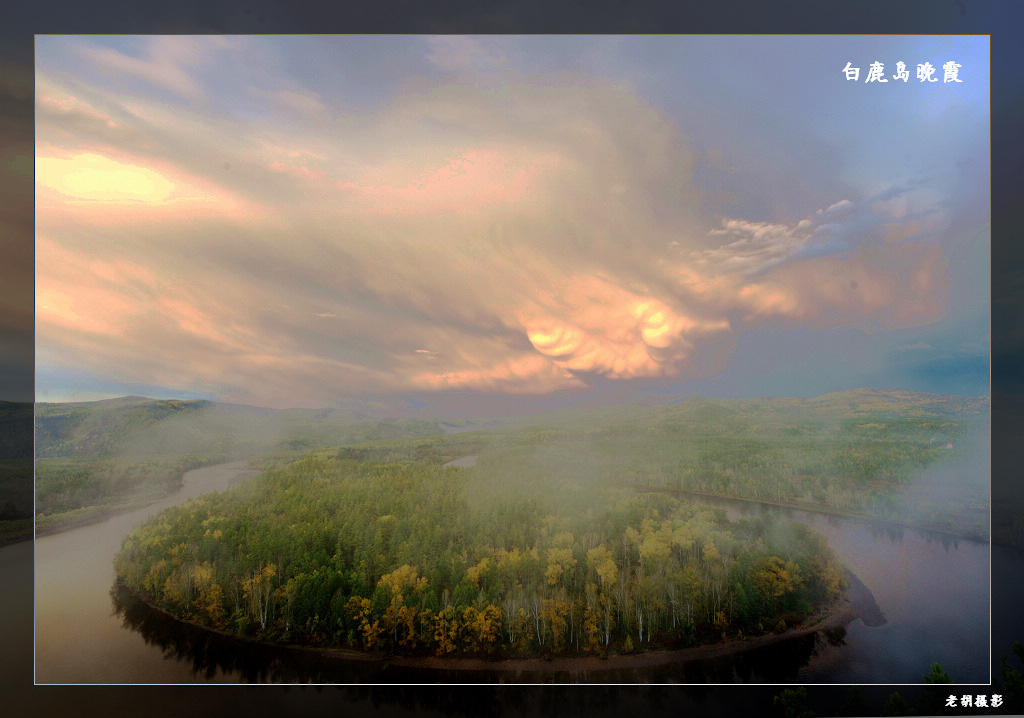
(49, 524)
(857, 602)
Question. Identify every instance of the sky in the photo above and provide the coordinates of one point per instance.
(456, 222)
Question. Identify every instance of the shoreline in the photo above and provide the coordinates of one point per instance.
(856, 602)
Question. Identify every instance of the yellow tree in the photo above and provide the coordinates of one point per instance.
(407, 623)
(481, 627)
(210, 600)
(446, 630)
(774, 579)
(828, 575)
(398, 617)
(555, 613)
(479, 571)
(600, 559)
(154, 578)
(402, 580)
(591, 631)
(560, 561)
(360, 610)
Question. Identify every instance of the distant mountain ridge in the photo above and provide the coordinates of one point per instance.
(93, 457)
(835, 406)
(136, 424)
(98, 428)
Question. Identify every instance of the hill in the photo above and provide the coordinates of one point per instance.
(101, 456)
(860, 450)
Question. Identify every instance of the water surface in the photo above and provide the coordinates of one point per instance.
(933, 591)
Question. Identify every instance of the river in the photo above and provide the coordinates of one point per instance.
(932, 589)
(78, 637)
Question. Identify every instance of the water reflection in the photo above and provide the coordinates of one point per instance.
(893, 533)
(210, 653)
(936, 605)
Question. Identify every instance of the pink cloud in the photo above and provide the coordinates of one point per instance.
(898, 286)
(476, 179)
(591, 325)
(298, 171)
(529, 374)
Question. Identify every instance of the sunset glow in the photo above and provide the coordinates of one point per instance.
(95, 177)
(224, 223)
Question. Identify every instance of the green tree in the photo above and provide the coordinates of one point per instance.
(897, 705)
(1012, 685)
(854, 703)
(933, 699)
(793, 702)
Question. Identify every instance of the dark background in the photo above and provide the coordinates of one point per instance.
(1002, 19)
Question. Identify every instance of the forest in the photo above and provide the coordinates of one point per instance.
(568, 532)
(95, 458)
(398, 557)
(861, 451)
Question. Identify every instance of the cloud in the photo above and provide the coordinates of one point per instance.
(54, 101)
(897, 287)
(839, 208)
(593, 326)
(467, 183)
(530, 374)
(303, 102)
(755, 246)
(94, 177)
(163, 65)
(542, 235)
(453, 53)
(76, 188)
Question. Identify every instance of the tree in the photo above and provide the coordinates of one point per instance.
(933, 699)
(1012, 685)
(481, 627)
(360, 610)
(210, 600)
(897, 705)
(446, 630)
(257, 588)
(793, 702)
(854, 703)
(937, 675)
(560, 561)
(774, 579)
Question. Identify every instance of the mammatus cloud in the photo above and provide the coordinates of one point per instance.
(593, 326)
(523, 241)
